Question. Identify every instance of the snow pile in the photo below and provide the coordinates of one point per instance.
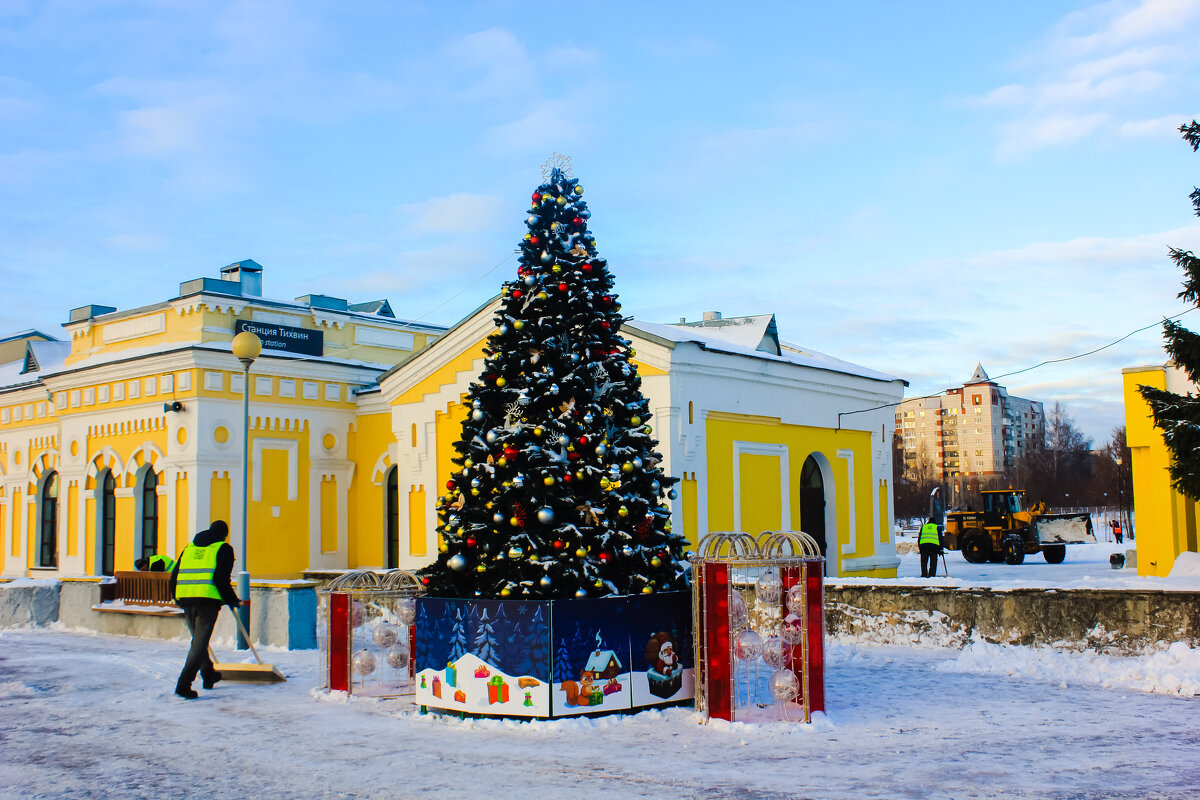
(1186, 565)
(1174, 670)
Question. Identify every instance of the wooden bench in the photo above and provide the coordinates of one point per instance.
(138, 593)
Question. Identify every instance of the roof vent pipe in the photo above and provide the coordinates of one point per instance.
(710, 316)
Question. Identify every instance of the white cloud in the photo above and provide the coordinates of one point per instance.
(500, 61)
(1094, 73)
(456, 213)
(551, 125)
(1159, 127)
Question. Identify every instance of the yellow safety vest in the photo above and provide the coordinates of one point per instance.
(929, 534)
(196, 568)
(167, 563)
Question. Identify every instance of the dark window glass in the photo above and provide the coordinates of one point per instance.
(108, 524)
(149, 513)
(48, 535)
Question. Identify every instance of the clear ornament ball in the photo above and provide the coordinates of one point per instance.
(581, 592)
(791, 629)
(768, 588)
(477, 415)
(784, 685)
(492, 437)
(748, 645)
(406, 610)
(795, 598)
(457, 563)
(739, 617)
(384, 636)
(357, 616)
(672, 494)
(775, 652)
(545, 582)
(397, 656)
(545, 515)
(363, 662)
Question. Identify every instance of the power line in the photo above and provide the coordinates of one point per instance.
(1025, 369)
(462, 291)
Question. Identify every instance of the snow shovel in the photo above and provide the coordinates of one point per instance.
(942, 553)
(246, 673)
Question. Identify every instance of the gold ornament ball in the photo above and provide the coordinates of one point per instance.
(581, 553)
(468, 464)
(513, 521)
(542, 295)
(556, 268)
(505, 592)
(578, 190)
(519, 324)
(501, 381)
(647, 590)
(605, 483)
(562, 201)
(647, 429)
(548, 480)
(635, 421)
(475, 492)
(538, 431)
(627, 466)
(502, 462)
(656, 562)
(599, 584)
(442, 546)
(481, 568)
(579, 475)
(623, 511)
(667, 525)
(632, 352)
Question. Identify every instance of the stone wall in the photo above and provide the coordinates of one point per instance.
(281, 614)
(1118, 621)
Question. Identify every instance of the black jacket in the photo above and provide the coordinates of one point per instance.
(220, 577)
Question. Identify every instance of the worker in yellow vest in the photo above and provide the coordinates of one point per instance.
(930, 545)
(155, 564)
(200, 584)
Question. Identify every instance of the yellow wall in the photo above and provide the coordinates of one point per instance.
(759, 480)
(1165, 519)
(761, 498)
(72, 506)
(366, 444)
(183, 534)
(278, 541)
(219, 507)
(418, 526)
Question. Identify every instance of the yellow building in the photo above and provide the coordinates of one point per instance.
(126, 439)
(762, 435)
(1166, 520)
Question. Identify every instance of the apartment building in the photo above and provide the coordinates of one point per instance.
(974, 429)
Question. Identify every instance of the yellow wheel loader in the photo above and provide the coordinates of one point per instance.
(1005, 532)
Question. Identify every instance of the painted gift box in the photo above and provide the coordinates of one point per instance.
(564, 657)
(497, 690)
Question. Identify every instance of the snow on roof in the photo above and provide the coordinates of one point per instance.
(599, 660)
(40, 357)
(736, 340)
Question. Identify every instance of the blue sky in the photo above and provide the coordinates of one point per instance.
(915, 187)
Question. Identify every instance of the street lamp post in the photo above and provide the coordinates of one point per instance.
(1121, 497)
(247, 347)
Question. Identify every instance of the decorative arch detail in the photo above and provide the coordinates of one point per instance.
(146, 455)
(379, 471)
(44, 463)
(105, 459)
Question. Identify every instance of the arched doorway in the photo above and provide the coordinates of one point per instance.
(48, 526)
(392, 524)
(812, 503)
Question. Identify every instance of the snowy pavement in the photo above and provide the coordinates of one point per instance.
(92, 716)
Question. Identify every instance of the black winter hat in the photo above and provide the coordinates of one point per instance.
(219, 528)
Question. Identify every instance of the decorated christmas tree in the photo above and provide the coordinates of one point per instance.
(558, 490)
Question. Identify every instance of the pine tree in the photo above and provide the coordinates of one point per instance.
(1178, 415)
(558, 489)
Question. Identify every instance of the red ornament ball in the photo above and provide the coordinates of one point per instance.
(535, 240)
(605, 557)
(583, 440)
(587, 267)
(470, 541)
(511, 452)
(578, 221)
(559, 544)
(516, 293)
(604, 324)
(450, 484)
(562, 287)
(537, 196)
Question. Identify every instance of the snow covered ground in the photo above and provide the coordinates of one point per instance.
(86, 715)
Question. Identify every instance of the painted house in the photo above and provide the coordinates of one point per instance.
(126, 438)
(601, 665)
(763, 435)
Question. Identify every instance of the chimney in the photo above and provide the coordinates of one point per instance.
(248, 273)
(711, 316)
